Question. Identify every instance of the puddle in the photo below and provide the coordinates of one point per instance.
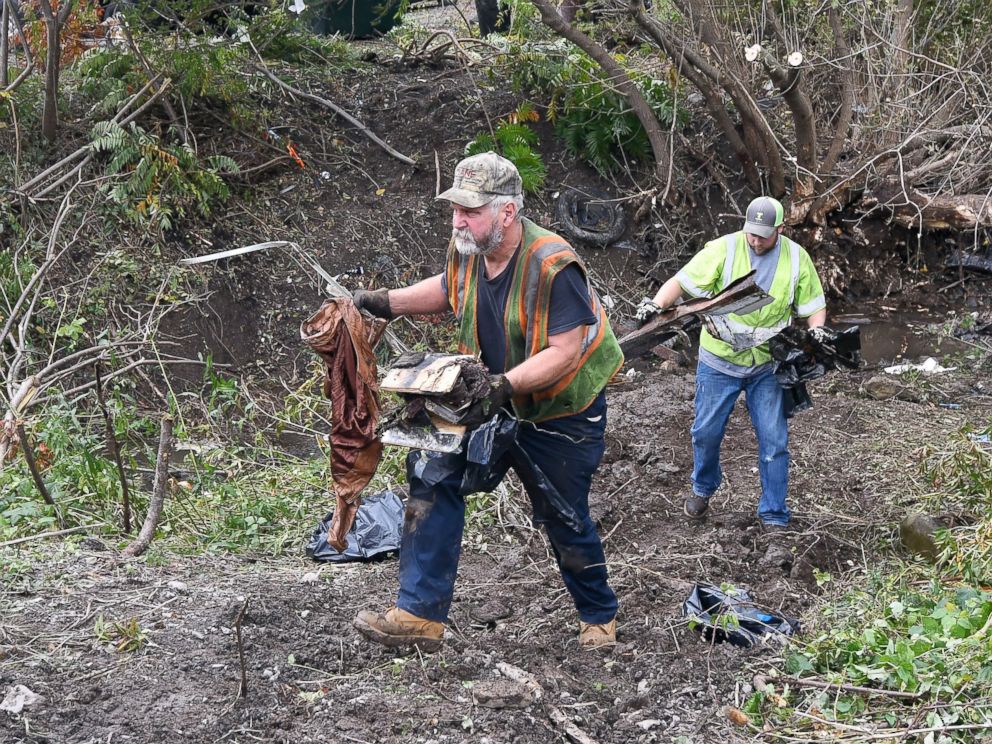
(890, 336)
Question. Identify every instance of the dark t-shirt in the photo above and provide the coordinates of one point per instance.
(570, 307)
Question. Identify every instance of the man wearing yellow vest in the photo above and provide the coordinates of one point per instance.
(525, 306)
(733, 351)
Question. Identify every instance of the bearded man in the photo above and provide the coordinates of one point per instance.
(526, 308)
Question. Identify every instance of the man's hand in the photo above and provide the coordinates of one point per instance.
(374, 303)
(646, 310)
(500, 392)
(820, 334)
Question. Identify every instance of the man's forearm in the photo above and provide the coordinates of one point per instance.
(549, 365)
(669, 294)
(423, 297)
(817, 319)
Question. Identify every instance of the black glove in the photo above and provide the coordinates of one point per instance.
(374, 303)
(499, 393)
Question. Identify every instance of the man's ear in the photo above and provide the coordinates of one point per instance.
(509, 213)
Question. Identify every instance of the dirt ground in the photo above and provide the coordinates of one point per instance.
(310, 677)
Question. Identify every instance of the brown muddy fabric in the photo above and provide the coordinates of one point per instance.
(345, 340)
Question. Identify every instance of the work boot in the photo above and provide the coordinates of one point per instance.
(597, 636)
(778, 548)
(696, 506)
(398, 627)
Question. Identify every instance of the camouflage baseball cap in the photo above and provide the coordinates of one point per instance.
(764, 214)
(481, 178)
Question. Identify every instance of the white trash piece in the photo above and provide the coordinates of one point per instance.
(18, 698)
(929, 366)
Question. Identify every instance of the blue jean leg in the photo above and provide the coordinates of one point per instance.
(716, 394)
(766, 404)
(568, 452)
(432, 535)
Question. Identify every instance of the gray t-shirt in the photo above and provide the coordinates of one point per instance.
(764, 267)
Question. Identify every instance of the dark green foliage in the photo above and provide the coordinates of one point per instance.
(515, 141)
(592, 118)
(159, 182)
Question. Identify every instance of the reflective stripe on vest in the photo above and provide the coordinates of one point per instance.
(739, 335)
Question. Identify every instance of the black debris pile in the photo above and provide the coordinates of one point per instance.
(803, 354)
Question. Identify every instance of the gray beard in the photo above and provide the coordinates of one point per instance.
(466, 245)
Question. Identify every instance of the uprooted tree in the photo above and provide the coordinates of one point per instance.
(874, 104)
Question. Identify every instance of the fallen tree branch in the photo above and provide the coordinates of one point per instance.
(85, 151)
(159, 488)
(761, 683)
(43, 535)
(243, 685)
(263, 68)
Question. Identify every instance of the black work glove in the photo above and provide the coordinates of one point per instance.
(374, 303)
(487, 406)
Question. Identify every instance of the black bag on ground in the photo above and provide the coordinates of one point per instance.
(377, 530)
(731, 616)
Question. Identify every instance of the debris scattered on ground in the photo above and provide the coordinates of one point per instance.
(730, 615)
(18, 698)
(881, 387)
(928, 366)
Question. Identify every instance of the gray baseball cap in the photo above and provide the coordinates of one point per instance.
(481, 178)
(764, 214)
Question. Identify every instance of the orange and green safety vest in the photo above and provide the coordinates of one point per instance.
(542, 255)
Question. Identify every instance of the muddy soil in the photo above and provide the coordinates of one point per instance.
(310, 677)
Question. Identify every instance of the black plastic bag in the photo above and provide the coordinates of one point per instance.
(377, 530)
(733, 617)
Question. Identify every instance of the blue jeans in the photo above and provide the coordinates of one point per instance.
(568, 452)
(716, 394)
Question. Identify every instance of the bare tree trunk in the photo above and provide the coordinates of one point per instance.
(617, 77)
(115, 452)
(4, 41)
(53, 30)
(843, 125)
(711, 94)
(789, 83)
(144, 538)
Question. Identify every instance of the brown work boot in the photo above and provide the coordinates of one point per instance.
(597, 636)
(398, 627)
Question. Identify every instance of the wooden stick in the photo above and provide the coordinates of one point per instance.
(144, 538)
(761, 682)
(243, 686)
(337, 110)
(42, 535)
(115, 452)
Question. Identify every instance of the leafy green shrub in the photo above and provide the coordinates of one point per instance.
(515, 140)
(159, 183)
(594, 120)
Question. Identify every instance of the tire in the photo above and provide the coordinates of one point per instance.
(589, 216)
